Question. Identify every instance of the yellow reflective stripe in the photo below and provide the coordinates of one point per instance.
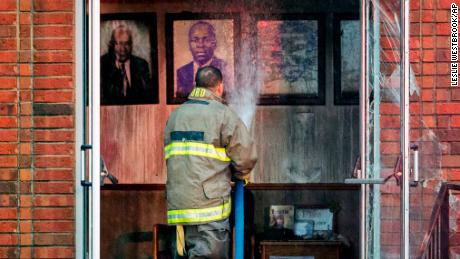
(201, 219)
(199, 215)
(204, 210)
(197, 149)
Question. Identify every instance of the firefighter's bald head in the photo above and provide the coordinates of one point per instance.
(211, 78)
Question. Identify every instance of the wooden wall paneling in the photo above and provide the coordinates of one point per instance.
(127, 220)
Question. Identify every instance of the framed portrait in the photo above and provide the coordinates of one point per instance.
(196, 40)
(129, 65)
(290, 54)
(347, 62)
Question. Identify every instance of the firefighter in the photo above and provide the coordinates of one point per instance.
(205, 143)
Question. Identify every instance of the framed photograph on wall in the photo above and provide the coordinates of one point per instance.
(312, 221)
(290, 54)
(129, 64)
(347, 52)
(194, 40)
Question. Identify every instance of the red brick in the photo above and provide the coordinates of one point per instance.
(25, 6)
(427, 29)
(8, 109)
(427, 82)
(55, 175)
(53, 31)
(390, 122)
(443, 81)
(442, 68)
(8, 161)
(442, 42)
(25, 96)
(428, 42)
(10, 252)
(442, 16)
(53, 187)
(455, 121)
(8, 239)
(26, 200)
(7, 200)
(47, 96)
(448, 108)
(8, 44)
(8, 226)
(54, 162)
(25, 18)
(55, 57)
(390, 135)
(390, 148)
(428, 108)
(25, 135)
(450, 161)
(53, 5)
(443, 55)
(8, 5)
(442, 94)
(25, 226)
(53, 213)
(8, 122)
(414, 43)
(53, 44)
(443, 121)
(455, 148)
(8, 82)
(53, 18)
(54, 149)
(8, 175)
(8, 56)
(7, 18)
(428, 56)
(428, 4)
(8, 31)
(8, 70)
(53, 83)
(53, 121)
(8, 148)
(8, 96)
(53, 239)
(445, 4)
(53, 252)
(443, 28)
(54, 200)
(8, 213)
(53, 226)
(427, 95)
(53, 70)
(53, 135)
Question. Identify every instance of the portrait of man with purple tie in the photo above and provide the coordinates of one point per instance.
(126, 78)
(198, 43)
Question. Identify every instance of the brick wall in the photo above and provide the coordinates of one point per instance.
(37, 129)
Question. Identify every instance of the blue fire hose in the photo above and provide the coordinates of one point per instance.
(239, 220)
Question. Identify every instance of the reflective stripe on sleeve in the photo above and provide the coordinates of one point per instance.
(185, 148)
(200, 215)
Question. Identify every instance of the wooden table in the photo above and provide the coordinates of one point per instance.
(296, 249)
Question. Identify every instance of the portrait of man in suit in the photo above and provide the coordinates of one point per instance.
(203, 43)
(125, 77)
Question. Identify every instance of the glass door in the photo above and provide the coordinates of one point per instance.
(399, 169)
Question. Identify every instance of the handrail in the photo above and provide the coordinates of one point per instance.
(436, 241)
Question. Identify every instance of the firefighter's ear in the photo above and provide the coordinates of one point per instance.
(220, 89)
